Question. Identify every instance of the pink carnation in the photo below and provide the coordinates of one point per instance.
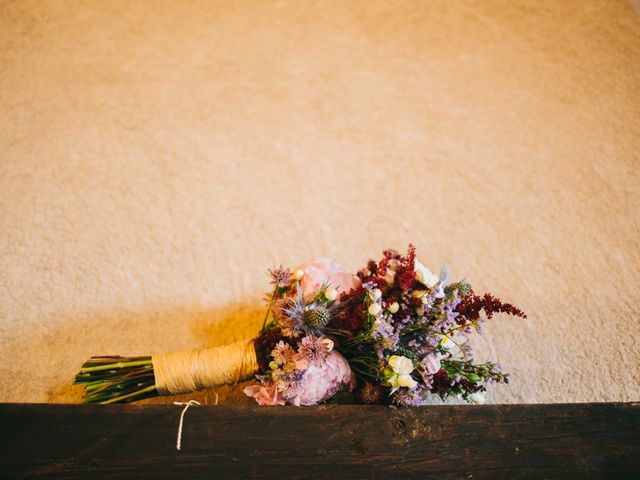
(319, 271)
(265, 394)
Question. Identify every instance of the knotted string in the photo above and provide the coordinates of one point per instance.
(184, 410)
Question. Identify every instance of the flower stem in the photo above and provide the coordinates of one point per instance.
(130, 395)
(113, 366)
(273, 297)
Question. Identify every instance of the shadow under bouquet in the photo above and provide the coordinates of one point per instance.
(394, 333)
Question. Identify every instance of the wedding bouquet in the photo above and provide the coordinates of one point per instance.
(394, 333)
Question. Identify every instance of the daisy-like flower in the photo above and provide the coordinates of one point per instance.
(282, 353)
(313, 350)
(288, 328)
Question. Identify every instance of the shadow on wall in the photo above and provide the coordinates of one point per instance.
(194, 329)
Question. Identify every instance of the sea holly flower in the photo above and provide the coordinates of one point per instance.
(311, 316)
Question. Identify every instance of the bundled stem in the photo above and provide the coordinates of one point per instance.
(117, 379)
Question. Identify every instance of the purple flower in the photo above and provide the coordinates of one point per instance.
(385, 334)
(280, 277)
(406, 397)
(312, 350)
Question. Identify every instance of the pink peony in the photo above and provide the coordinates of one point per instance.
(265, 394)
(321, 383)
(316, 385)
(325, 270)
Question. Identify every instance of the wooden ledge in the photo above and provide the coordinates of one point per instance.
(590, 440)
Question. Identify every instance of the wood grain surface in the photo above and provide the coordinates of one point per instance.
(456, 441)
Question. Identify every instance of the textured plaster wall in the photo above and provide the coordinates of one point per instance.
(157, 157)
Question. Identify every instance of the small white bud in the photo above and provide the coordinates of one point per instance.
(376, 293)
(328, 344)
(394, 307)
(374, 309)
(298, 274)
(331, 294)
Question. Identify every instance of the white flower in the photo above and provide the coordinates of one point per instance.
(402, 368)
(400, 364)
(477, 397)
(425, 276)
(406, 380)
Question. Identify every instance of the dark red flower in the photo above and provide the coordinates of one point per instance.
(472, 304)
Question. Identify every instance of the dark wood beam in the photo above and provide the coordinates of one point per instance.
(338, 442)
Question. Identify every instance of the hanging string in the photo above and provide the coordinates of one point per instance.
(184, 410)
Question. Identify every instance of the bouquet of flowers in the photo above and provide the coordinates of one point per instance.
(394, 333)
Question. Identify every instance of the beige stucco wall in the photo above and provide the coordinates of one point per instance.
(157, 157)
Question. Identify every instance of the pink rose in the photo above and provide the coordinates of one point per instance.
(265, 394)
(326, 270)
(321, 383)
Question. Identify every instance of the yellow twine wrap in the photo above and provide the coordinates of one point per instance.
(190, 370)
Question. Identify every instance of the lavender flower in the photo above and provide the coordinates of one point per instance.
(406, 397)
(385, 333)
